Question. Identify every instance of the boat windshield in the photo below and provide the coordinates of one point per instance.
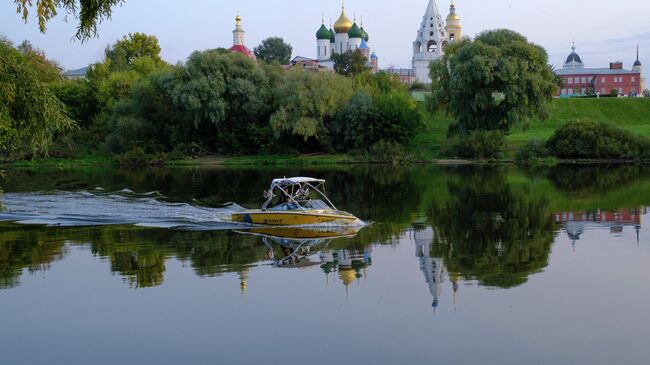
(285, 206)
(314, 204)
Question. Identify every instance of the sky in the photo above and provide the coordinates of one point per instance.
(603, 30)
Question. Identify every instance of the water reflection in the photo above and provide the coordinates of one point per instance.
(576, 223)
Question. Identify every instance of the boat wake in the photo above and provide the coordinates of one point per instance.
(124, 207)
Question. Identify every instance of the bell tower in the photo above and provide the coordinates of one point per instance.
(454, 30)
(429, 43)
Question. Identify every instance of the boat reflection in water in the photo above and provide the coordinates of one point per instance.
(309, 247)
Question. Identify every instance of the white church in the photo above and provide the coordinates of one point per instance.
(432, 37)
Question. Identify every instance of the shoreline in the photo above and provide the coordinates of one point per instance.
(305, 160)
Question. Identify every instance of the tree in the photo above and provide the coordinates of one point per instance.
(350, 63)
(306, 102)
(89, 13)
(492, 82)
(274, 49)
(30, 114)
(47, 70)
(131, 47)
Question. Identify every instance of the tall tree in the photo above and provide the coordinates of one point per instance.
(350, 63)
(492, 82)
(89, 12)
(274, 49)
(30, 114)
(124, 52)
(47, 70)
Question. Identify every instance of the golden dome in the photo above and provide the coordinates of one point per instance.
(347, 276)
(452, 13)
(343, 24)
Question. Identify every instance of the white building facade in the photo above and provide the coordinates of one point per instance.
(432, 37)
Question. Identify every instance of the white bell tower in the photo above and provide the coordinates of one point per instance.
(429, 43)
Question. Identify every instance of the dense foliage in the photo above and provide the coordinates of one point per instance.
(492, 82)
(587, 139)
(274, 50)
(30, 114)
(350, 63)
(89, 13)
(479, 145)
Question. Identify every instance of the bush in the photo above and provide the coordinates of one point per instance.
(384, 151)
(534, 149)
(134, 158)
(479, 145)
(591, 140)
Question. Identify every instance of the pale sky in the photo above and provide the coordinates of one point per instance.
(603, 30)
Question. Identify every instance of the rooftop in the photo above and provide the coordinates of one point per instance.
(592, 71)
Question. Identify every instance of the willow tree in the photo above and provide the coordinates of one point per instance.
(89, 12)
(30, 114)
(492, 82)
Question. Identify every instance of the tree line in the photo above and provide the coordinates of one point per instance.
(214, 102)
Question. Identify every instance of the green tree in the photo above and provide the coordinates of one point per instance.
(30, 114)
(89, 13)
(47, 70)
(306, 101)
(274, 49)
(492, 82)
(122, 55)
(350, 63)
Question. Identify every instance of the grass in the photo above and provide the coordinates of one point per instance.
(632, 114)
(627, 113)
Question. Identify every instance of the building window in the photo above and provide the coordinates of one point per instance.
(432, 47)
(431, 34)
(570, 80)
(584, 91)
(603, 80)
(603, 91)
(633, 79)
(584, 80)
(563, 91)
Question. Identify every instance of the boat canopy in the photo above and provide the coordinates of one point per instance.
(297, 180)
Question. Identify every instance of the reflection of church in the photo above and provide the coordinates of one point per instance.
(432, 267)
(350, 264)
(575, 223)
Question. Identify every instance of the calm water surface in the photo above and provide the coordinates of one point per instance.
(459, 265)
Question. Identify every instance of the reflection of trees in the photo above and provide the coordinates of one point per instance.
(28, 248)
(596, 178)
(490, 231)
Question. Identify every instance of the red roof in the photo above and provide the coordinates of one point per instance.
(243, 50)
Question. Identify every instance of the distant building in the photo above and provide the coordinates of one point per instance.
(432, 37)
(406, 75)
(346, 35)
(578, 80)
(79, 73)
(306, 63)
(238, 40)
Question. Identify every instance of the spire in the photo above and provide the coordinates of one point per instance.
(573, 46)
(638, 61)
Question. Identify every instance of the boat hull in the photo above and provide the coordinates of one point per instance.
(291, 218)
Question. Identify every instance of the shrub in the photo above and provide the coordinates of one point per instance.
(534, 149)
(479, 145)
(591, 140)
(134, 158)
(384, 151)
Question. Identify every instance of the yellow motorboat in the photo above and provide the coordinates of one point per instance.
(295, 207)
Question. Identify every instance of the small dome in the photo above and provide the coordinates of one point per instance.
(638, 63)
(343, 24)
(363, 44)
(355, 32)
(323, 33)
(365, 34)
(332, 36)
(373, 55)
(573, 57)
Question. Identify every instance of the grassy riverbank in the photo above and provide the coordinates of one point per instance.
(627, 113)
(630, 114)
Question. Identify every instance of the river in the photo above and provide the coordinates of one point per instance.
(455, 265)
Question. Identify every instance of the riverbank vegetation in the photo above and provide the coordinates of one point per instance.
(220, 107)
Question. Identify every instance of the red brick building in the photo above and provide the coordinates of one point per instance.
(578, 80)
